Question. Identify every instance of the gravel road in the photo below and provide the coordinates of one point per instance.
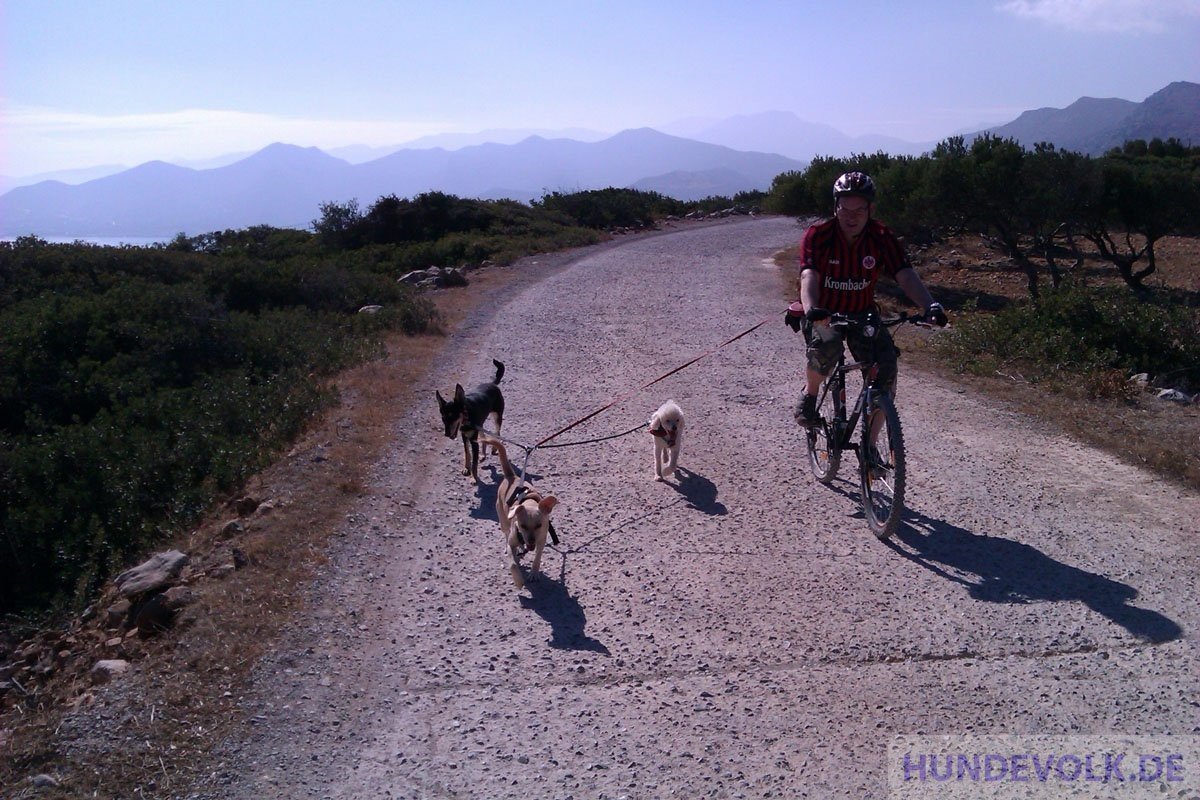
(737, 632)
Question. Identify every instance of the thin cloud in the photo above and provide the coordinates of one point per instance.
(88, 139)
(1105, 16)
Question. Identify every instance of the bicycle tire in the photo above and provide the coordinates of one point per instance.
(881, 470)
(824, 454)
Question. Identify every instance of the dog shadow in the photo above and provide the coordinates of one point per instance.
(550, 600)
(699, 491)
(998, 570)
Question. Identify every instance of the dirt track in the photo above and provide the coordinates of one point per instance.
(736, 633)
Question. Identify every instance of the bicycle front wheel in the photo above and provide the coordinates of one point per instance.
(882, 468)
(824, 452)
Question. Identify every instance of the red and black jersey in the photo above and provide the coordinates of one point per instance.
(849, 270)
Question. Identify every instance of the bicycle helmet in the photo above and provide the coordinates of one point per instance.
(854, 184)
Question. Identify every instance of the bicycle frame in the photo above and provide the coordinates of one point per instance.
(881, 462)
(836, 382)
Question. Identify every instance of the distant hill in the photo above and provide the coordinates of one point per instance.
(785, 133)
(1094, 126)
(284, 185)
(1173, 111)
(358, 153)
(698, 185)
(72, 176)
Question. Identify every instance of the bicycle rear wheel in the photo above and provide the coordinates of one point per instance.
(882, 469)
(824, 453)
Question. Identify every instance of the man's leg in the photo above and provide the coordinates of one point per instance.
(881, 350)
(824, 346)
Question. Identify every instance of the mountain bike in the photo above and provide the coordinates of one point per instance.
(881, 464)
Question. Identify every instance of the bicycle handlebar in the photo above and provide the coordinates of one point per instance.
(837, 319)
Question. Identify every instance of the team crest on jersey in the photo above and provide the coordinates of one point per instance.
(868, 262)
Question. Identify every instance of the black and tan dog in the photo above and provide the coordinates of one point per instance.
(524, 515)
(465, 415)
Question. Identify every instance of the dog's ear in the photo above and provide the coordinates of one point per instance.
(512, 511)
(547, 504)
(459, 394)
(441, 402)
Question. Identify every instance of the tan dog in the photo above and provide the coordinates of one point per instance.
(666, 426)
(524, 515)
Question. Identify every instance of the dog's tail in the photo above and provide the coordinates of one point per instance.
(498, 447)
(499, 370)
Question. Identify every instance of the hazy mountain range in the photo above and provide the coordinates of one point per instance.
(284, 185)
(1094, 126)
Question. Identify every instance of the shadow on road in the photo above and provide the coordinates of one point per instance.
(998, 570)
(489, 481)
(699, 491)
(551, 601)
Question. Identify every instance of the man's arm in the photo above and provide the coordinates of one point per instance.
(810, 289)
(914, 287)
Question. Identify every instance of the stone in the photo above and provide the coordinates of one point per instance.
(1174, 395)
(372, 309)
(245, 506)
(160, 570)
(117, 613)
(107, 669)
(233, 528)
(178, 596)
(152, 615)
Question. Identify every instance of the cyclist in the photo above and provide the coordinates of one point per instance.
(840, 261)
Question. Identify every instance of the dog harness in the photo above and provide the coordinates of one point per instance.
(520, 494)
(663, 433)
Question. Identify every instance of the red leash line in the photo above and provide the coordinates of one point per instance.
(664, 376)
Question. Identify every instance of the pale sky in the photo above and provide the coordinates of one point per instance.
(92, 82)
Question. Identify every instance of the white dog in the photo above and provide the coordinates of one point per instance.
(666, 426)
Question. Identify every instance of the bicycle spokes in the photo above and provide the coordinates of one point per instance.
(882, 465)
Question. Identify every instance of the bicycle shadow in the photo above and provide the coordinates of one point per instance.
(550, 600)
(699, 491)
(998, 570)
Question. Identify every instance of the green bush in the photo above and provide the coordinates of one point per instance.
(136, 384)
(604, 209)
(1082, 331)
